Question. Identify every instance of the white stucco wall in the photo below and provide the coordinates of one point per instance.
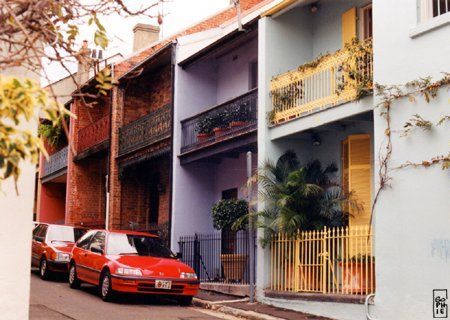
(16, 215)
(412, 216)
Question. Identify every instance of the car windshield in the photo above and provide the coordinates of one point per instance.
(128, 244)
(64, 234)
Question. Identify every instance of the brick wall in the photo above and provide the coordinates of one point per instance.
(147, 94)
(85, 196)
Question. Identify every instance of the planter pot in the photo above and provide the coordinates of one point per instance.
(358, 277)
(202, 137)
(218, 132)
(236, 124)
(234, 266)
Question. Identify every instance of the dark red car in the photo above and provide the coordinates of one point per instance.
(51, 247)
(130, 262)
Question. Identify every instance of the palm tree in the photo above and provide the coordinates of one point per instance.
(299, 197)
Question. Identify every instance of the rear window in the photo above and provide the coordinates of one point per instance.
(64, 234)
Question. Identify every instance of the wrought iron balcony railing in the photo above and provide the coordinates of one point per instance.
(225, 121)
(56, 162)
(329, 81)
(93, 134)
(145, 131)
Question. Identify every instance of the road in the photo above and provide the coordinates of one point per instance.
(54, 300)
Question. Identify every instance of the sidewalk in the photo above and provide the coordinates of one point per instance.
(240, 307)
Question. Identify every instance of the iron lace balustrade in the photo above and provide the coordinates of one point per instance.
(93, 134)
(56, 162)
(145, 131)
(237, 116)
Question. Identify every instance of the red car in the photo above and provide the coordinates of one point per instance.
(130, 262)
(51, 247)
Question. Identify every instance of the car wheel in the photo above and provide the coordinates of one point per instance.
(74, 282)
(43, 269)
(106, 291)
(185, 301)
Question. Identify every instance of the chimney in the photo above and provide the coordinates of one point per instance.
(84, 64)
(144, 35)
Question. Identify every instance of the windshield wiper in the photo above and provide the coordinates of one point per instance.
(128, 253)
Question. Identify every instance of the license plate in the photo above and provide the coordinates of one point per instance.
(163, 284)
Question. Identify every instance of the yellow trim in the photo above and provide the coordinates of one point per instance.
(282, 5)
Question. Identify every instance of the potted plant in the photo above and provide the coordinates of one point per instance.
(239, 116)
(204, 128)
(224, 214)
(358, 274)
(221, 121)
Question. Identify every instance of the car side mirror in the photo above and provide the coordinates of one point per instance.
(179, 255)
(97, 249)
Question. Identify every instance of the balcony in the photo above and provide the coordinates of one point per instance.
(330, 80)
(56, 163)
(151, 128)
(229, 120)
(93, 135)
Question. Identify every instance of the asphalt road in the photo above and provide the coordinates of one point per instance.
(54, 300)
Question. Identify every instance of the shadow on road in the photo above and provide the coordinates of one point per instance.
(121, 299)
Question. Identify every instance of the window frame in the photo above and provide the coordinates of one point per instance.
(362, 20)
(104, 241)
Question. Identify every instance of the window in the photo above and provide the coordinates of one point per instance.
(84, 241)
(366, 29)
(440, 7)
(40, 234)
(98, 241)
(433, 8)
(64, 234)
(253, 75)
(128, 244)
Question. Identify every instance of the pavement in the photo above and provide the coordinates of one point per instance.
(241, 308)
(54, 300)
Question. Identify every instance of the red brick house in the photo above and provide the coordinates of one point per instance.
(119, 168)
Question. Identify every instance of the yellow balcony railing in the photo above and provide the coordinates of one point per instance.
(328, 81)
(329, 261)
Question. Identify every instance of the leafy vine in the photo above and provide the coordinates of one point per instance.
(423, 87)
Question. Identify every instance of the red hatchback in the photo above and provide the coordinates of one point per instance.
(51, 247)
(130, 262)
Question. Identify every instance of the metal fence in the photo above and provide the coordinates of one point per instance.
(330, 261)
(218, 257)
(232, 118)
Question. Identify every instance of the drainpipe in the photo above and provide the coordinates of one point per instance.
(369, 298)
(171, 164)
(251, 239)
(108, 157)
(237, 5)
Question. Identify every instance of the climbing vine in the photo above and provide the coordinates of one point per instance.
(422, 88)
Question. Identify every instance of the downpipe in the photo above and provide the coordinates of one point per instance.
(369, 300)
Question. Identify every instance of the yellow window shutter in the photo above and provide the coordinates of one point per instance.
(359, 177)
(348, 26)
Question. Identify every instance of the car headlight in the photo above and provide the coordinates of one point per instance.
(129, 272)
(62, 257)
(188, 275)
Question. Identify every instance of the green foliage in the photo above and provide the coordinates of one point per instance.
(240, 113)
(205, 125)
(53, 133)
(104, 81)
(226, 212)
(300, 197)
(20, 102)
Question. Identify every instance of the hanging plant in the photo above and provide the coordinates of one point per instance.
(53, 133)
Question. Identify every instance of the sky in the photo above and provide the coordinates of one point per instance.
(179, 14)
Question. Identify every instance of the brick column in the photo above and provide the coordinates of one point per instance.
(115, 191)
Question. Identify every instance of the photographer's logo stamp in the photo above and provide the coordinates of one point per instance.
(440, 306)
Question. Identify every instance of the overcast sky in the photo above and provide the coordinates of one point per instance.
(179, 14)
